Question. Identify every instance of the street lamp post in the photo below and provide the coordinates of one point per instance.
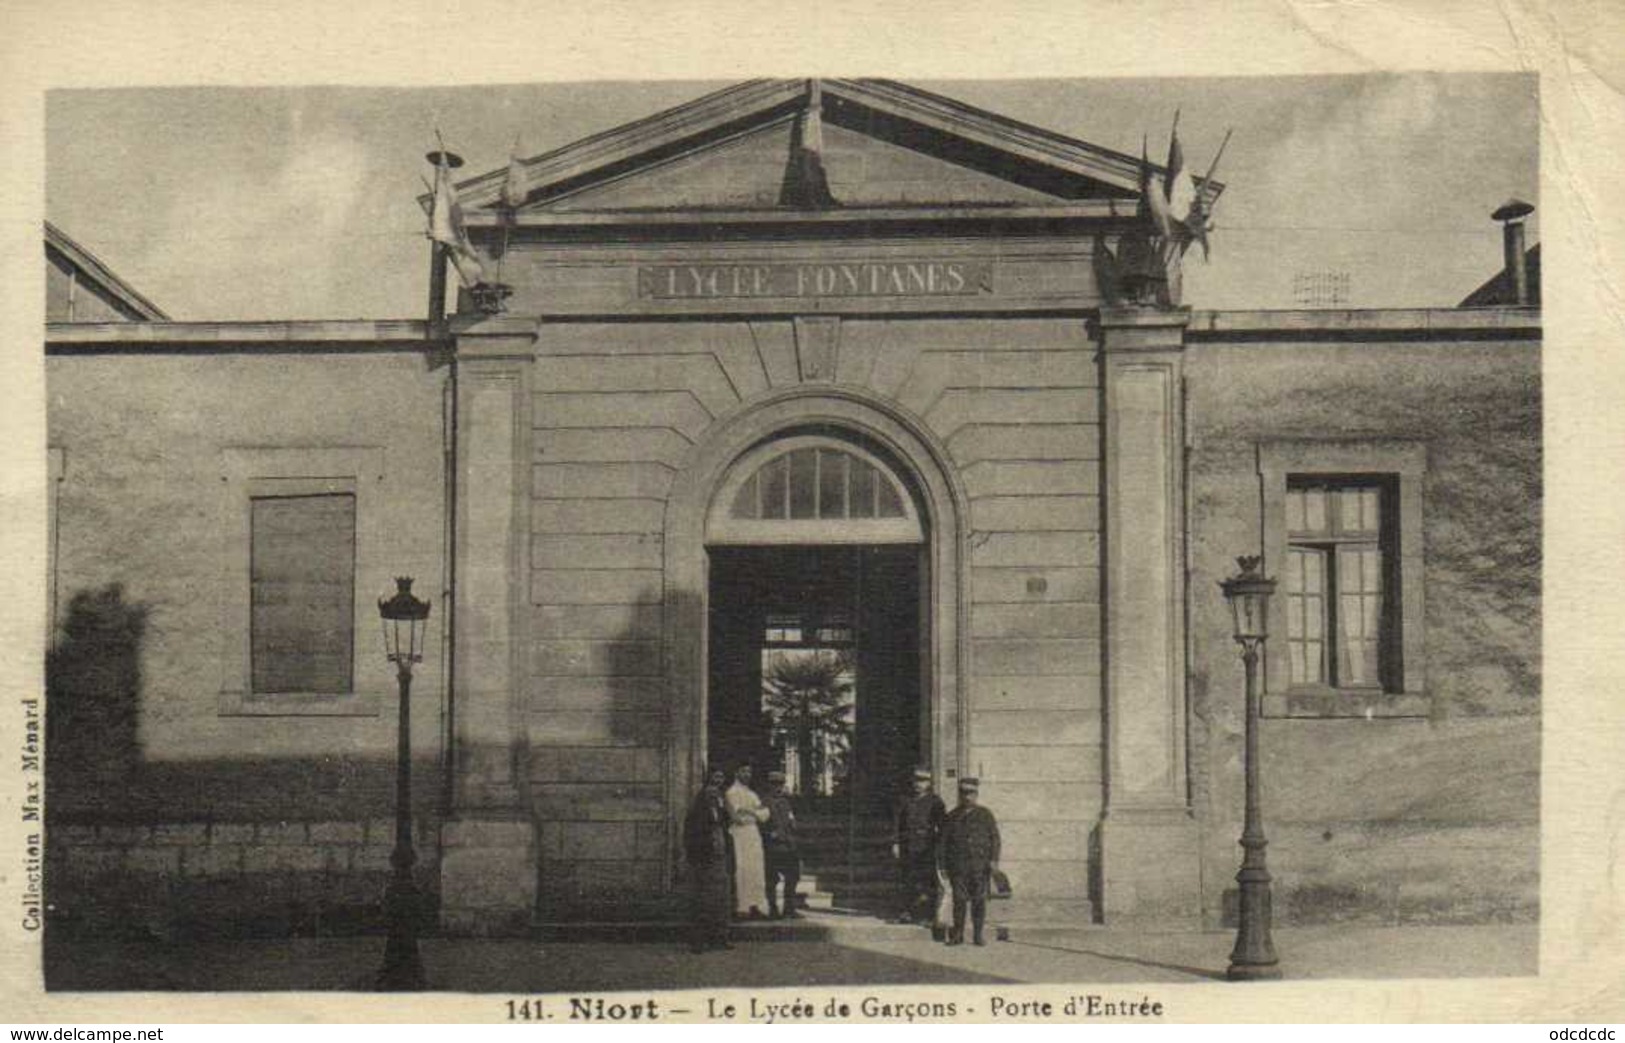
(1253, 957)
(404, 620)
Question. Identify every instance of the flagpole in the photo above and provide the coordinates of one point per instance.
(437, 286)
(1168, 171)
(507, 221)
(1211, 167)
(437, 273)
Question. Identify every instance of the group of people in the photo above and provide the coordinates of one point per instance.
(932, 842)
(741, 848)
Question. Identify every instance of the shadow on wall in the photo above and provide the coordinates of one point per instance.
(97, 769)
(93, 697)
(228, 846)
(602, 737)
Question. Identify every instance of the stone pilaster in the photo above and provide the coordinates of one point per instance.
(488, 864)
(1149, 842)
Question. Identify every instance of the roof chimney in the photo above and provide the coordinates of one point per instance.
(1511, 215)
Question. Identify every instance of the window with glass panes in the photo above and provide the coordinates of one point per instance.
(829, 630)
(1338, 582)
(818, 483)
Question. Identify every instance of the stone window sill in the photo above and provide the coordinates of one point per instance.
(1345, 703)
(301, 704)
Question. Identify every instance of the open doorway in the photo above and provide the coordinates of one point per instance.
(815, 670)
(817, 624)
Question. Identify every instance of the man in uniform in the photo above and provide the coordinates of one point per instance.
(780, 849)
(970, 853)
(707, 847)
(919, 830)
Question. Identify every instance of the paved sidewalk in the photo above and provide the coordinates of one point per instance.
(857, 957)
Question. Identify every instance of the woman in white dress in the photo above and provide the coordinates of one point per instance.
(746, 813)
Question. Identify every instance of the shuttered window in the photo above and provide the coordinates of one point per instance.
(303, 593)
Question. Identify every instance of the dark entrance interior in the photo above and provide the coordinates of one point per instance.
(815, 670)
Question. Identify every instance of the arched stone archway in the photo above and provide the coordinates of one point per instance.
(922, 462)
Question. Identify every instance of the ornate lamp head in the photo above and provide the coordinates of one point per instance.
(1248, 593)
(405, 618)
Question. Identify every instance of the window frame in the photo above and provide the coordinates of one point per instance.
(810, 628)
(1397, 466)
(1329, 544)
(723, 528)
(248, 474)
(257, 658)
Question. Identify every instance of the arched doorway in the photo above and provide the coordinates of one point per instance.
(930, 536)
(816, 547)
(815, 615)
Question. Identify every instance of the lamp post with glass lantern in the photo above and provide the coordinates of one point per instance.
(405, 618)
(1254, 956)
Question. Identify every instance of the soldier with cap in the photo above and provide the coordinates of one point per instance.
(708, 849)
(919, 830)
(970, 854)
(780, 849)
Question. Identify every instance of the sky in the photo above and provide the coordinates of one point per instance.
(227, 204)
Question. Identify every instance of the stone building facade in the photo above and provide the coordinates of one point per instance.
(910, 420)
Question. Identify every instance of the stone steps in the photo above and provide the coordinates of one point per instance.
(814, 925)
(847, 867)
(847, 864)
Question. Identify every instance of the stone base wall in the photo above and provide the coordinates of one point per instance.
(227, 879)
(1396, 873)
(1397, 822)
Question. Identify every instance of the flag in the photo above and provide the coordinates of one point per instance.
(513, 185)
(1198, 225)
(1200, 221)
(812, 132)
(1180, 188)
(805, 183)
(1153, 201)
(469, 267)
(446, 228)
(445, 216)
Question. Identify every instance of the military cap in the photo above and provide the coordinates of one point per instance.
(923, 773)
(970, 782)
(775, 776)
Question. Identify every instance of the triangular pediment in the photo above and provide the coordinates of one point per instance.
(749, 172)
(882, 145)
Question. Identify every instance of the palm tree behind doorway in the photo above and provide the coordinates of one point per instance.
(809, 698)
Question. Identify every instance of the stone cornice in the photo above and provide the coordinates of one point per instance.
(1484, 323)
(336, 335)
(989, 128)
(755, 103)
(91, 265)
(1089, 209)
(630, 140)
